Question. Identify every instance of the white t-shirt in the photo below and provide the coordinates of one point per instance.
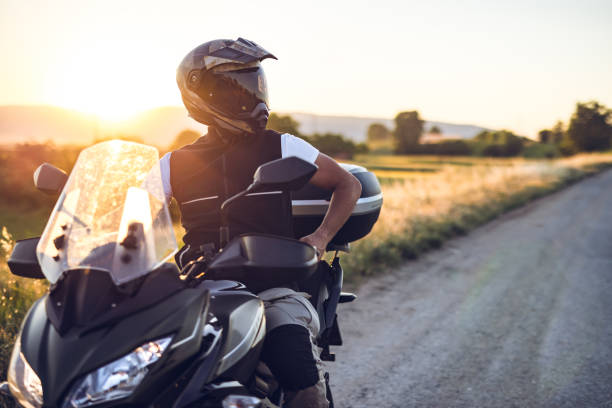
(290, 146)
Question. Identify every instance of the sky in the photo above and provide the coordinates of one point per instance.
(518, 65)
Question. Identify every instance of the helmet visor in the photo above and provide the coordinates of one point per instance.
(234, 93)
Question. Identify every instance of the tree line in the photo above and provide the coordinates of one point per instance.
(18, 161)
(589, 129)
(332, 144)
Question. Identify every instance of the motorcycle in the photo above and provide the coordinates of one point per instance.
(122, 326)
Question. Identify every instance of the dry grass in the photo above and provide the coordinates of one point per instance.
(420, 212)
(16, 297)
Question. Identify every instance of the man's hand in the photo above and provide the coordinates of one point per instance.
(345, 192)
(317, 241)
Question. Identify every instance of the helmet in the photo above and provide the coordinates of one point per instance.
(223, 84)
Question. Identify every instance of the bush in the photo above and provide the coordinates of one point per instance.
(334, 144)
(446, 148)
(541, 151)
(499, 143)
(17, 165)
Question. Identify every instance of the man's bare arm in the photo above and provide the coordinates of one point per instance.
(346, 190)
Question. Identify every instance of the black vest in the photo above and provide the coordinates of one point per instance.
(207, 172)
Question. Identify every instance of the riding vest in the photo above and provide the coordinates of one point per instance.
(207, 172)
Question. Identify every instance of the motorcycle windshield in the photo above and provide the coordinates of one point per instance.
(111, 215)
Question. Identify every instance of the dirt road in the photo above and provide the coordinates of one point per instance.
(517, 314)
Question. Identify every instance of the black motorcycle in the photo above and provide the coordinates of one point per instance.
(122, 327)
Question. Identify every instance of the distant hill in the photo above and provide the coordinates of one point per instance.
(160, 126)
(356, 128)
(43, 123)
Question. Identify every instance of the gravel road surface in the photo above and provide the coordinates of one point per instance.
(517, 314)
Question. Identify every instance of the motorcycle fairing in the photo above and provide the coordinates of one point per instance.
(60, 360)
(231, 304)
(89, 298)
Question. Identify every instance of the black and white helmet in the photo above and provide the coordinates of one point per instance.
(223, 84)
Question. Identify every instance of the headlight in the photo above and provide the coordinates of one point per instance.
(117, 379)
(23, 381)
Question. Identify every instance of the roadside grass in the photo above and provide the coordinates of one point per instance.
(23, 222)
(16, 297)
(420, 213)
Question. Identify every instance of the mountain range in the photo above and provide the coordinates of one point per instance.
(19, 124)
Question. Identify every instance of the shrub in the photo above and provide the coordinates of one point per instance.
(446, 148)
(541, 151)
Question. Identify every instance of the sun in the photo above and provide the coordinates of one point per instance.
(112, 104)
(108, 83)
(113, 112)
(111, 101)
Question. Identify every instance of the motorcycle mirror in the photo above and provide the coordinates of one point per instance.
(23, 261)
(49, 179)
(289, 173)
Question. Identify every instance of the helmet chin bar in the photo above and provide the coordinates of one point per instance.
(259, 117)
(252, 122)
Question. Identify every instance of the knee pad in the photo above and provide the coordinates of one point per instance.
(288, 352)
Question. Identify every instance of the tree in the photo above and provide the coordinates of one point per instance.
(589, 128)
(378, 132)
(545, 136)
(553, 136)
(407, 132)
(284, 124)
(558, 133)
(186, 137)
(500, 143)
(435, 130)
(334, 144)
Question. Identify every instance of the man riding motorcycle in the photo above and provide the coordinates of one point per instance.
(223, 86)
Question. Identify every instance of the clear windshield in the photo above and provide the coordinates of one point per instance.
(111, 215)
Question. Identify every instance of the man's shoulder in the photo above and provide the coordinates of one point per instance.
(295, 146)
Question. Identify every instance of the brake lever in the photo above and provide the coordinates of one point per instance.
(193, 269)
(196, 270)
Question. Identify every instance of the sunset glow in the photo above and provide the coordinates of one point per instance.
(102, 85)
(516, 65)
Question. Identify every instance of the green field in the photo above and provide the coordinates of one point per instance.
(427, 200)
